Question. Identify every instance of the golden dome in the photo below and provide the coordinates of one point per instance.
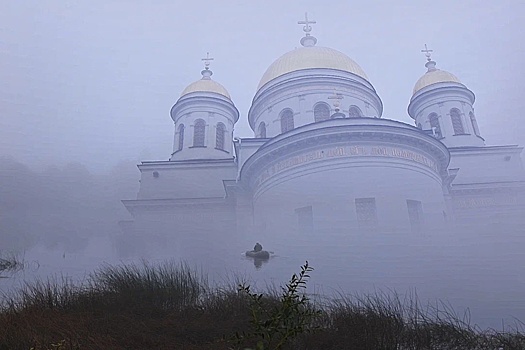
(206, 85)
(311, 57)
(434, 76)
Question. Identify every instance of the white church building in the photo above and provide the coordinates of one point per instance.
(324, 168)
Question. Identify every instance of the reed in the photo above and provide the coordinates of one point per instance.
(171, 306)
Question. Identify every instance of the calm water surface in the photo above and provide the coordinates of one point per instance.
(489, 287)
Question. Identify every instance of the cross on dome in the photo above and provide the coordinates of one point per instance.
(307, 28)
(207, 60)
(431, 65)
(206, 73)
(427, 53)
(307, 40)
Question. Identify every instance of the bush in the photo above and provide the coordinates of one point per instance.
(278, 326)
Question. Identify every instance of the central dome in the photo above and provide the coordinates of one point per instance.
(308, 58)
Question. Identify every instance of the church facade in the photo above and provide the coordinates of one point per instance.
(325, 167)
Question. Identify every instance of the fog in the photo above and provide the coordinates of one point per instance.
(85, 94)
(61, 208)
(65, 222)
(93, 82)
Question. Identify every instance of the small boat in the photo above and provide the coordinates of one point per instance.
(263, 254)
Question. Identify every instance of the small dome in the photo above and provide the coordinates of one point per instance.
(311, 57)
(206, 85)
(434, 76)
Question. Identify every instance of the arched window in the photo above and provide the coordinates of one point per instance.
(434, 125)
(455, 116)
(419, 126)
(199, 133)
(220, 132)
(474, 123)
(262, 130)
(354, 112)
(321, 112)
(181, 137)
(287, 122)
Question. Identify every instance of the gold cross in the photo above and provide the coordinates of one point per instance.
(207, 60)
(307, 28)
(427, 52)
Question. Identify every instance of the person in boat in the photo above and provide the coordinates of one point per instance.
(257, 247)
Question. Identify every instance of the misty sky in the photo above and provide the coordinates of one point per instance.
(93, 81)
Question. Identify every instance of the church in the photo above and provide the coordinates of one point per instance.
(324, 168)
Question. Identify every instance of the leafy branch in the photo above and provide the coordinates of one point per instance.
(275, 327)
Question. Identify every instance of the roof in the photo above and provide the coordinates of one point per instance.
(206, 85)
(434, 76)
(311, 57)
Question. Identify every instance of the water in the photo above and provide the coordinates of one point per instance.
(486, 287)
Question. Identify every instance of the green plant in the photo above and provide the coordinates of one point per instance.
(277, 326)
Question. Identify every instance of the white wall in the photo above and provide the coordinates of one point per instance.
(213, 109)
(192, 180)
(209, 151)
(301, 90)
(488, 164)
(332, 195)
(440, 99)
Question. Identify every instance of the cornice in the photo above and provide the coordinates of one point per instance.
(198, 100)
(317, 73)
(191, 163)
(467, 150)
(487, 187)
(313, 78)
(135, 205)
(437, 92)
(346, 131)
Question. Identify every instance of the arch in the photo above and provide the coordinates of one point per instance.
(220, 133)
(434, 125)
(287, 122)
(474, 123)
(457, 124)
(321, 112)
(262, 130)
(181, 137)
(354, 112)
(199, 133)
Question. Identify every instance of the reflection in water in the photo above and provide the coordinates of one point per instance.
(258, 255)
(11, 264)
(258, 262)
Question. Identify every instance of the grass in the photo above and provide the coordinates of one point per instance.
(170, 306)
(388, 321)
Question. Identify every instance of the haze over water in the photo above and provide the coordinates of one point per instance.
(86, 95)
(481, 271)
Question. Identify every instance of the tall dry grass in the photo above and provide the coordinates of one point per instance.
(171, 306)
